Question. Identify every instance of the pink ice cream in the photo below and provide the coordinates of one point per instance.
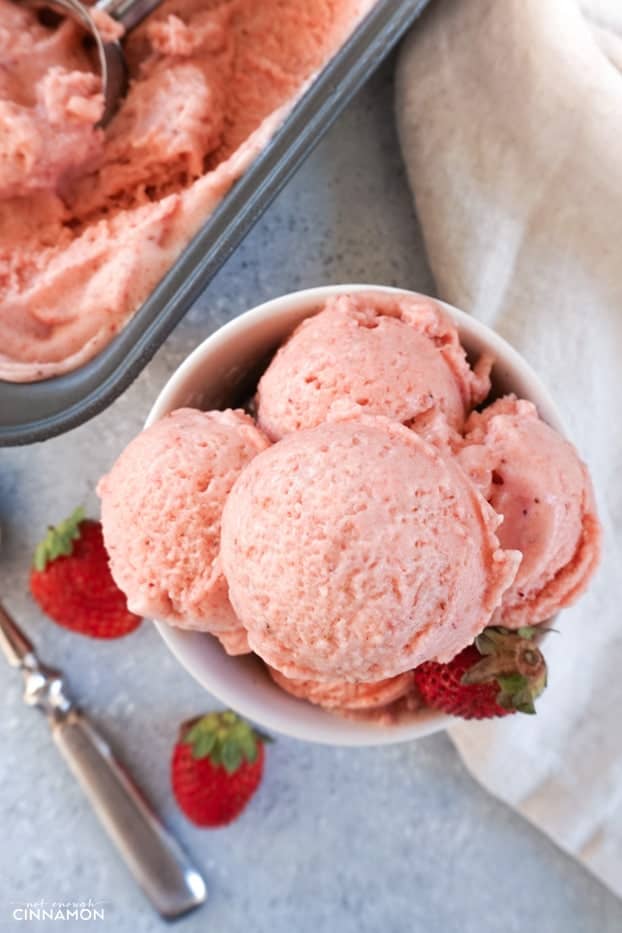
(346, 696)
(536, 481)
(397, 356)
(91, 220)
(355, 551)
(161, 507)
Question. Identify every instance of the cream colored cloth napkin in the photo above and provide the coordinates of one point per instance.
(510, 120)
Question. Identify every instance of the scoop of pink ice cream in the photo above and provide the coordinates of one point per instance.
(340, 695)
(356, 550)
(388, 355)
(536, 481)
(161, 509)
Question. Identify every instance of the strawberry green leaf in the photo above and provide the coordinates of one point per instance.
(231, 755)
(193, 733)
(203, 745)
(524, 702)
(516, 693)
(59, 540)
(248, 745)
(485, 644)
(512, 683)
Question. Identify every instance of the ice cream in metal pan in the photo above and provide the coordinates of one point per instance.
(93, 217)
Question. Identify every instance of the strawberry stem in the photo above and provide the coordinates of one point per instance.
(515, 662)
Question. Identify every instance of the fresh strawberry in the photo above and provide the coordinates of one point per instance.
(72, 583)
(216, 767)
(503, 672)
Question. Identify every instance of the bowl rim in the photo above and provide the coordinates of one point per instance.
(179, 641)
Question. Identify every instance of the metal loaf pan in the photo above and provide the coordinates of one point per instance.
(31, 412)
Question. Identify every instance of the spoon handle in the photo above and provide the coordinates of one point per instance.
(158, 863)
(155, 859)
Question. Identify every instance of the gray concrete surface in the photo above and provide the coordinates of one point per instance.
(391, 839)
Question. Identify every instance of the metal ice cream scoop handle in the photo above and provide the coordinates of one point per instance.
(112, 66)
(163, 870)
(127, 12)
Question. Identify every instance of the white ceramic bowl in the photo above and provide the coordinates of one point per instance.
(216, 375)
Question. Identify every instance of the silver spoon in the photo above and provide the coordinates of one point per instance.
(168, 878)
(112, 65)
